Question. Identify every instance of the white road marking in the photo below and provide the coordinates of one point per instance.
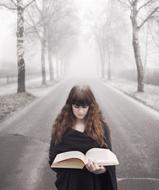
(134, 178)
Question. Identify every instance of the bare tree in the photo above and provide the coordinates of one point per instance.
(20, 8)
(37, 22)
(51, 23)
(61, 29)
(100, 39)
(153, 29)
(105, 36)
(59, 38)
(140, 12)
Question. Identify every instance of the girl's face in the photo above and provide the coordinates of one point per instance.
(80, 111)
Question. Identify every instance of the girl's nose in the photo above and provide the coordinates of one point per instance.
(80, 110)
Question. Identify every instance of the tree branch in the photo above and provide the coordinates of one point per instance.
(34, 26)
(28, 4)
(153, 38)
(8, 7)
(126, 4)
(40, 12)
(145, 4)
(130, 2)
(147, 18)
(134, 1)
(14, 3)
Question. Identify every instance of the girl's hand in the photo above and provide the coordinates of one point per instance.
(95, 168)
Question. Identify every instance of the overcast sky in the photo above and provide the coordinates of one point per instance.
(7, 36)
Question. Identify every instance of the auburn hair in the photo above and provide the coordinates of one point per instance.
(94, 121)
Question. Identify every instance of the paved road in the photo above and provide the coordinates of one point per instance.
(24, 140)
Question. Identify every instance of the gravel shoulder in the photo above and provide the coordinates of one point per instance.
(11, 102)
(150, 96)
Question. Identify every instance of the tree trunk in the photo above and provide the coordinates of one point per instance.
(102, 57)
(20, 47)
(140, 70)
(109, 67)
(137, 53)
(43, 45)
(103, 69)
(56, 68)
(63, 68)
(50, 65)
(43, 70)
(59, 69)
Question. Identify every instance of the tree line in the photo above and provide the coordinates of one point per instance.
(140, 14)
(50, 23)
(53, 23)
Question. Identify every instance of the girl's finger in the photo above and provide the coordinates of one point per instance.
(88, 163)
(96, 166)
(91, 166)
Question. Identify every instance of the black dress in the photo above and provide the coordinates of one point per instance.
(81, 179)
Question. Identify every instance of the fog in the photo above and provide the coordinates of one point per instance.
(80, 51)
(84, 59)
(7, 36)
(86, 54)
(42, 44)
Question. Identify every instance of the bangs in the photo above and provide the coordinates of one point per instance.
(80, 96)
(81, 100)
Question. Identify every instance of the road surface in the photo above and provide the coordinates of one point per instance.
(24, 140)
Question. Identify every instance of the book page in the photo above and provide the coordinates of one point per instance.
(102, 156)
(68, 155)
(69, 163)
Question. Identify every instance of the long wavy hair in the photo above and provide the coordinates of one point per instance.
(94, 121)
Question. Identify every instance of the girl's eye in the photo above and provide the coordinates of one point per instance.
(76, 106)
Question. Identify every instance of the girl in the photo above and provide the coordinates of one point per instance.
(81, 126)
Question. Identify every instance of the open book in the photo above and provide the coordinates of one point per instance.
(76, 159)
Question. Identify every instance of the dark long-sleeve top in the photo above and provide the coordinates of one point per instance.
(81, 179)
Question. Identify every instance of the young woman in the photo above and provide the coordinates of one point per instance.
(81, 126)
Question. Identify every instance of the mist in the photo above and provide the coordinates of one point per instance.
(49, 46)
